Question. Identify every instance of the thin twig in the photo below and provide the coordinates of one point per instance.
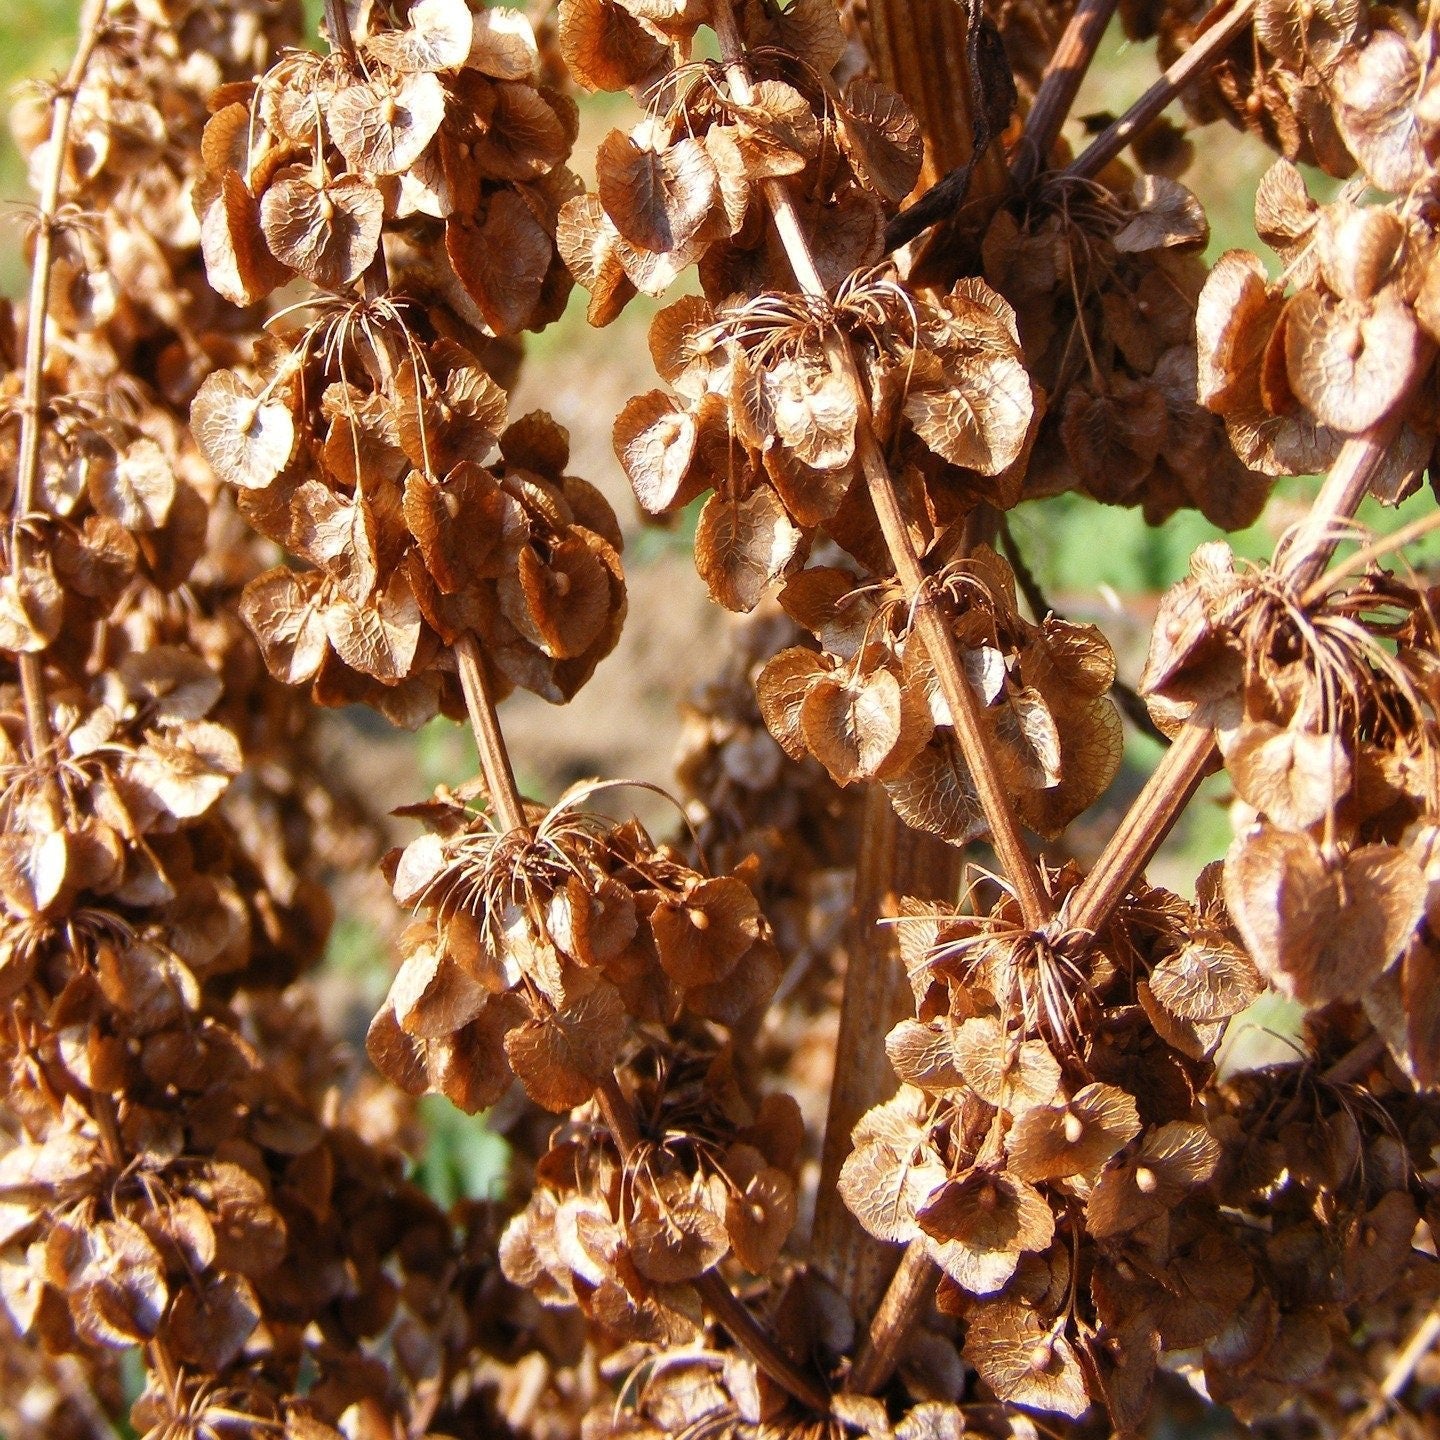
(1401, 1372)
(1117, 135)
(970, 731)
(750, 1335)
(1145, 825)
(723, 1304)
(27, 469)
(489, 740)
(1066, 69)
(1355, 1061)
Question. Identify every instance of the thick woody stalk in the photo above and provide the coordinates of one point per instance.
(974, 740)
(894, 861)
(27, 470)
(337, 27)
(921, 51)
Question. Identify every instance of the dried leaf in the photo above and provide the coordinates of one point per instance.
(329, 233)
(1024, 1361)
(1318, 931)
(880, 137)
(657, 198)
(743, 547)
(1349, 362)
(561, 1057)
(1053, 1142)
(247, 436)
(382, 128)
(1294, 778)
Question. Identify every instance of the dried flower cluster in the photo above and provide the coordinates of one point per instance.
(812, 1129)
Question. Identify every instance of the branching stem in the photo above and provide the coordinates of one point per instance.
(722, 1303)
(27, 471)
(899, 1313)
(970, 731)
(1116, 136)
(1302, 557)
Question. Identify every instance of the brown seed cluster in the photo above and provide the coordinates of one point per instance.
(804, 1136)
(414, 178)
(1294, 375)
(1336, 84)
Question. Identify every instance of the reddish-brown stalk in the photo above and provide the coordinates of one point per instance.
(723, 1305)
(896, 1317)
(1222, 29)
(1169, 787)
(1145, 825)
(1068, 67)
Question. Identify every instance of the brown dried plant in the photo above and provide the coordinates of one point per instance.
(820, 1120)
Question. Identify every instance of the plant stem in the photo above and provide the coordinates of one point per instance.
(1402, 1368)
(729, 1310)
(1072, 58)
(27, 470)
(899, 1313)
(970, 730)
(1161, 803)
(337, 28)
(1116, 136)
(1148, 821)
(921, 51)
(618, 1115)
(494, 757)
(1355, 1061)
